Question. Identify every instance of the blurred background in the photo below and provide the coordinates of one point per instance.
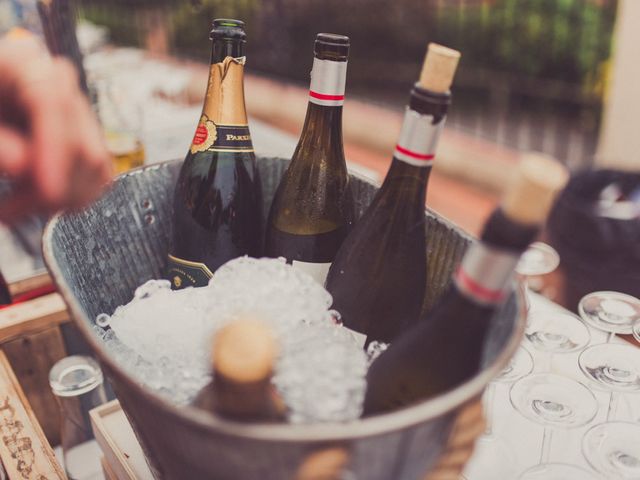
(535, 75)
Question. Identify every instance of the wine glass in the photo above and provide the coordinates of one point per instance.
(552, 401)
(636, 330)
(539, 259)
(612, 367)
(556, 332)
(556, 471)
(493, 457)
(613, 449)
(612, 312)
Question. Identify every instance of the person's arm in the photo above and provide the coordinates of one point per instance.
(50, 141)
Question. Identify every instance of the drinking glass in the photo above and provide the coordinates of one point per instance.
(493, 456)
(77, 383)
(539, 259)
(556, 471)
(552, 401)
(614, 368)
(556, 332)
(613, 449)
(611, 312)
(636, 330)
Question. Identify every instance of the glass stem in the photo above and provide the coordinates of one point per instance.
(548, 364)
(614, 399)
(545, 450)
(610, 336)
(489, 397)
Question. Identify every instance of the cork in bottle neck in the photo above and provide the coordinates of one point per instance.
(531, 193)
(439, 67)
(244, 352)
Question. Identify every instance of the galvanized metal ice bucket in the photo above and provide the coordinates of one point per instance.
(99, 256)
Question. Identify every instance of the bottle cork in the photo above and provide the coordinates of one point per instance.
(537, 181)
(439, 68)
(244, 351)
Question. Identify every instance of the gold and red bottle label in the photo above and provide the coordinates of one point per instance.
(210, 137)
(418, 139)
(485, 274)
(328, 79)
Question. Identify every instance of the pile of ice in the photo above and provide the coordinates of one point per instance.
(163, 338)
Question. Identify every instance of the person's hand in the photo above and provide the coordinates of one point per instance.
(50, 141)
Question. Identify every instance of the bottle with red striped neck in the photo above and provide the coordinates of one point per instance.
(378, 278)
(446, 347)
(312, 210)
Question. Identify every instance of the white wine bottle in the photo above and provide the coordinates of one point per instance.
(378, 278)
(312, 210)
(446, 347)
(244, 355)
(218, 198)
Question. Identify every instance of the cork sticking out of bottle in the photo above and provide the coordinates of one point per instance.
(439, 68)
(244, 351)
(530, 194)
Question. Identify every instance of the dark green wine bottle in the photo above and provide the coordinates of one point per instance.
(378, 278)
(218, 197)
(312, 210)
(446, 348)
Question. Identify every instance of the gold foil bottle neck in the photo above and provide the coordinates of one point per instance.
(224, 101)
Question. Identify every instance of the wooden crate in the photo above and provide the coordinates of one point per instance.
(123, 457)
(24, 449)
(31, 338)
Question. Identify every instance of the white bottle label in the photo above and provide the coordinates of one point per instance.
(328, 80)
(360, 338)
(318, 271)
(418, 139)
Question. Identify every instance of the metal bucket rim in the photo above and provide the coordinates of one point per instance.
(320, 432)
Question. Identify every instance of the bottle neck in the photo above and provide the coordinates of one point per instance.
(222, 48)
(328, 80)
(421, 128)
(322, 130)
(487, 268)
(415, 151)
(223, 125)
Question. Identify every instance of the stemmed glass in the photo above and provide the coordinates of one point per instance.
(615, 368)
(552, 401)
(493, 457)
(556, 332)
(611, 312)
(613, 449)
(539, 259)
(612, 367)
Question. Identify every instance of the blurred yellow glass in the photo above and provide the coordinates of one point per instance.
(127, 151)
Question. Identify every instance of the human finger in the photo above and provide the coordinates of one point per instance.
(52, 132)
(13, 152)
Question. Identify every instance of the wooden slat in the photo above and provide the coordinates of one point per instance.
(32, 316)
(32, 357)
(26, 285)
(24, 450)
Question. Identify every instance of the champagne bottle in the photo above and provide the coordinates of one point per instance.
(218, 197)
(5, 296)
(445, 349)
(244, 354)
(378, 278)
(312, 210)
